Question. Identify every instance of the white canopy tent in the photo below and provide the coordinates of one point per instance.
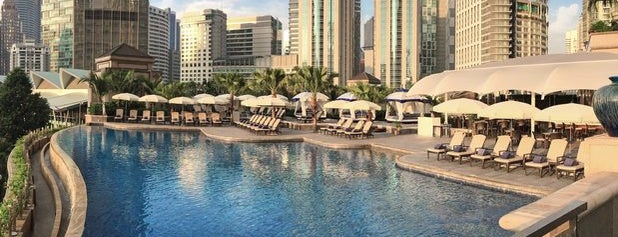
(402, 107)
(302, 105)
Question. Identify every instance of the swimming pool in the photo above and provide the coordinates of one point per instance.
(183, 184)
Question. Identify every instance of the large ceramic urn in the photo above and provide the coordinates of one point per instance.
(605, 105)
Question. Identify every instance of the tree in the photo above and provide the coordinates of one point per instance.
(234, 83)
(270, 80)
(314, 80)
(99, 87)
(21, 111)
(375, 94)
(600, 26)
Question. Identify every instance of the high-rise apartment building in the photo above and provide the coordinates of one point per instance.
(202, 40)
(495, 30)
(10, 33)
(368, 34)
(571, 41)
(411, 40)
(159, 40)
(77, 31)
(253, 36)
(30, 56)
(29, 12)
(327, 34)
(606, 11)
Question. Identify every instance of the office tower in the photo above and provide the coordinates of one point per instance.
(202, 40)
(368, 34)
(159, 40)
(10, 29)
(571, 41)
(445, 36)
(495, 30)
(30, 56)
(29, 12)
(174, 51)
(77, 31)
(327, 34)
(253, 36)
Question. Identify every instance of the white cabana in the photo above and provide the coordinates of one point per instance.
(302, 105)
(402, 107)
(278, 96)
(568, 113)
(341, 106)
(265, 102)
(509, 110)
(349, 96)
(360, 108)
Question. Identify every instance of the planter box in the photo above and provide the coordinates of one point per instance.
(95, 119)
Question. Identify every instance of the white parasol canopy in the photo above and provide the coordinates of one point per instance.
(509, 110)
(362, 105)
(270, 96)
(349, 96)
(306, 96)
(244, 97)
(182, 101)
(460, 106)
(126, 96)
(568, 113)
(153, 99)
(198, 96)
(336, 104)
(403, 96)
(265, 102)
(213, 100)
(540, 74)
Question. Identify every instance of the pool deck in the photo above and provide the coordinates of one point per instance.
(410, 150)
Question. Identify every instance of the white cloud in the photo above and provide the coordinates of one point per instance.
(561, 21)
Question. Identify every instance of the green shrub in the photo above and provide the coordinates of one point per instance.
(95, 109)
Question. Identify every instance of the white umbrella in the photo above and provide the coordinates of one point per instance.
(198, 96)
(336, 104)
(568, 113)
(270, 96)
(182, 101)
(362, 105)
(460, 106)
(305, 96)
(403, 96)
(509, 110)
(349, 96)
(245, 97)
(126, 96)
(153, 99)
(265, 102)
(213, 100)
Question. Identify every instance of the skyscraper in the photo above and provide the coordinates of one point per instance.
(174, 51)
(571, 41)
(159, 40)
(327, 34)
(495, 30)
(202, 40)
(77, 31)
(30, 56)
(368, 34)
(29, 12)
(10, 29)
(253, 36)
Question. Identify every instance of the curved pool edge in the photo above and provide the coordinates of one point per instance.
(73, 181)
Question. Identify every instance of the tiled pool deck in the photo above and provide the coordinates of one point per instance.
(410, 148)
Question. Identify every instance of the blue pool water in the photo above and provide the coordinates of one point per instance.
(183, 184)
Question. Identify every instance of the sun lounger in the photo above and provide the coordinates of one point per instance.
(160, 117)
(477, 143)
(175, 118)
(550, 160)
(119, 114)
(132, 116)
(442, 148)
(366, 132)
(272, 128)
(202, 118)
(146, 116)
(216, 119)
(487, 154)
(189, 118)
(357, 128)
(521, 155)
(338, 124)
(570, 166)
(347, 124)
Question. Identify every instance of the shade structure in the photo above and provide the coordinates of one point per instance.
(153, 99)
(265, 102)
(349, 96)
(182, 101)
(460, 106)
(336, 104)
(509, 110)
(306, 96)
(567, 113)
(245, 97)
(198, 96)
(278, 96)
(362, 105)
(403, 96)
(540, 74)
(213, 100)
(126, 96)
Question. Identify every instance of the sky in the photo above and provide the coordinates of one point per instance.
(563, 14)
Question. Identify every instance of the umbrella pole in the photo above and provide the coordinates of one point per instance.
(533, 103)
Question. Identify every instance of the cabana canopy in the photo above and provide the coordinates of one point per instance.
(509, 110)
(540, 74)
(568, 113)
(460, 106)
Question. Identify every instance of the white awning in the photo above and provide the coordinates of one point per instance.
(66, 101)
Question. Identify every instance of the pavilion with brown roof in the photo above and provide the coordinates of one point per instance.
(125, 57)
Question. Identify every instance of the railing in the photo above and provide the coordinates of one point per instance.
(552, 223)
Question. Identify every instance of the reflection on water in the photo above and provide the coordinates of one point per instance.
(182, 184)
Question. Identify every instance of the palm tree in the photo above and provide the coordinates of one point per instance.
(234, 83)
(269, 79)
(99, 87)
(314, 80)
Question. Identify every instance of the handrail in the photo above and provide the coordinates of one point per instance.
(548, 224)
